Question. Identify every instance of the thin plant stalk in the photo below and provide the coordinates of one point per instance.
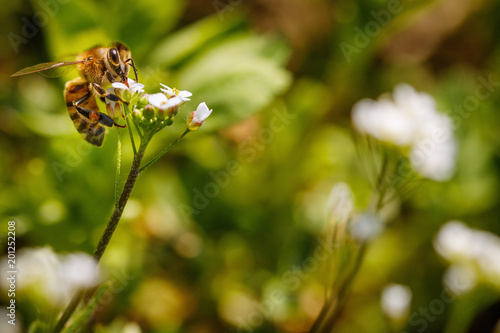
(135, 169)
(122, 202)
(108, 232)
(118, 168)
(334, 304)
(164, 151)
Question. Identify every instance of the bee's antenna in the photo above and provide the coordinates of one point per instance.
(135, 69)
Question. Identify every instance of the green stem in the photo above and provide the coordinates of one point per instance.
(118, 168)
(331, 309)
(131, 136)
(108, 232)
(68, 311)
(135, 169)
(118, 211)
(138, 130)
(126, 114)
(164, 151)
(381, 186)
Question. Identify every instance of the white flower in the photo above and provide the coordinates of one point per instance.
(123, 91)
(112, 105)
(78, 270)
(366, 227)
(395, 301)
(37, 266)
(119, 86)
(459, 279)
(161, 101)
(55, 278)
(434, 160)
(133, 86)
(418, 105)
(461, 245)
(340, 204)
(411, 119)
(182, 94)
(202, 112)
(454, 241)
(196, 118)
(158, 99)
(384, 121)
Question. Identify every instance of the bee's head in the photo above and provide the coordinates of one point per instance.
(117, 57)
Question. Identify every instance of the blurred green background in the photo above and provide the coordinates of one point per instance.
(216, 226)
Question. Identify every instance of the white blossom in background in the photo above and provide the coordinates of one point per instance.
(77, 271)
(53, 277)
(341, 202)
(36, 266)
(454, 241)
(460, 279)
(411, 120)
(396, 301)
(384, 121)
(339, 210)
(470, 248)
(367, 226)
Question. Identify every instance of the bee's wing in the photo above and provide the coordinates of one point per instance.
(45, 66)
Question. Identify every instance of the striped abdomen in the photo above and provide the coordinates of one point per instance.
(91, 130)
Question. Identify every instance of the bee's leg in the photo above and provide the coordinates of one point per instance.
(83, 99)
(101, 91)
(135, 69)
(108, 121)
(98, 116)
(110, 76)
(89, 114)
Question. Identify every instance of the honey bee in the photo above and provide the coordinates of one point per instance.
(98, 67)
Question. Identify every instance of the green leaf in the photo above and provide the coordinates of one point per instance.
(192, 40)
(75, 26)
(234, 70)
(238, 77)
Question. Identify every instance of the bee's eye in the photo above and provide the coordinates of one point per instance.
(113, 53)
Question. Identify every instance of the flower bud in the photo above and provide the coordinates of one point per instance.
(143, 101)
(162, 113)
(196, 118)
(148, 112)
(126, 95)
(169, 121)
(137, 114)
(191, 124)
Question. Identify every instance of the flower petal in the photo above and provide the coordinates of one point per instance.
(173, 102)
(157, 99)
(135, 87)
(119, 85)
(202, 112)
(184, 94)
